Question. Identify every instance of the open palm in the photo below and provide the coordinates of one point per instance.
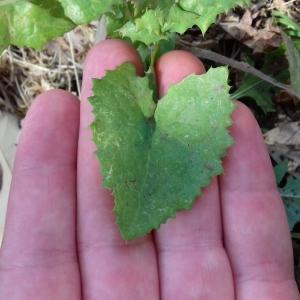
(61, 241)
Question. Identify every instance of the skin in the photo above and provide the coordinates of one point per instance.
(61, 241)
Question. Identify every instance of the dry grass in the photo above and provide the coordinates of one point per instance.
(25, 73)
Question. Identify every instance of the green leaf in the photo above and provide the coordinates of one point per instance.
(179, 20)
(261, 91)
(290, 193)
(258, 90)
(161, 19)
(33, 22)
(156, 166)
(23, 23)
(114, 21)
(280, 170)
(291, 198)
(293, 56)
(84, 11)
(291, 27)
(297, 43)
(210, 9)
(146, 29)
(166, 46)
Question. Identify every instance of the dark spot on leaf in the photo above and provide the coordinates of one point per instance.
(209, 167)
(147, 195)
(130, 183)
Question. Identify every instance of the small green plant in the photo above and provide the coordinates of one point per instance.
(291, 38)
(32, 23)
(156, 157)
(289, 25)
(289, 188)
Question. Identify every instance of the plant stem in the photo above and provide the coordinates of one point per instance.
(128, 11)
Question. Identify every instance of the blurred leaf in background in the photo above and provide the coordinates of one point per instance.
(259, 90)
(290, 193)
(289, 25)
(293, 56)
(31, 24)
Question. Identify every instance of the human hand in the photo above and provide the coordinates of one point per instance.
(61, 241)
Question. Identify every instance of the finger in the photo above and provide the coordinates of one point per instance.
(38, 257)
(192, 260)
(255, 226)
(110, 268)
(169, 71)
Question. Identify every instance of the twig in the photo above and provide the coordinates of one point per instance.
(239, 65)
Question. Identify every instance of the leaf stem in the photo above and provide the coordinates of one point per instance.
(154, 52)
(237, 95)
(151, 71)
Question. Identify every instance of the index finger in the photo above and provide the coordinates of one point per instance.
(39, 247)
